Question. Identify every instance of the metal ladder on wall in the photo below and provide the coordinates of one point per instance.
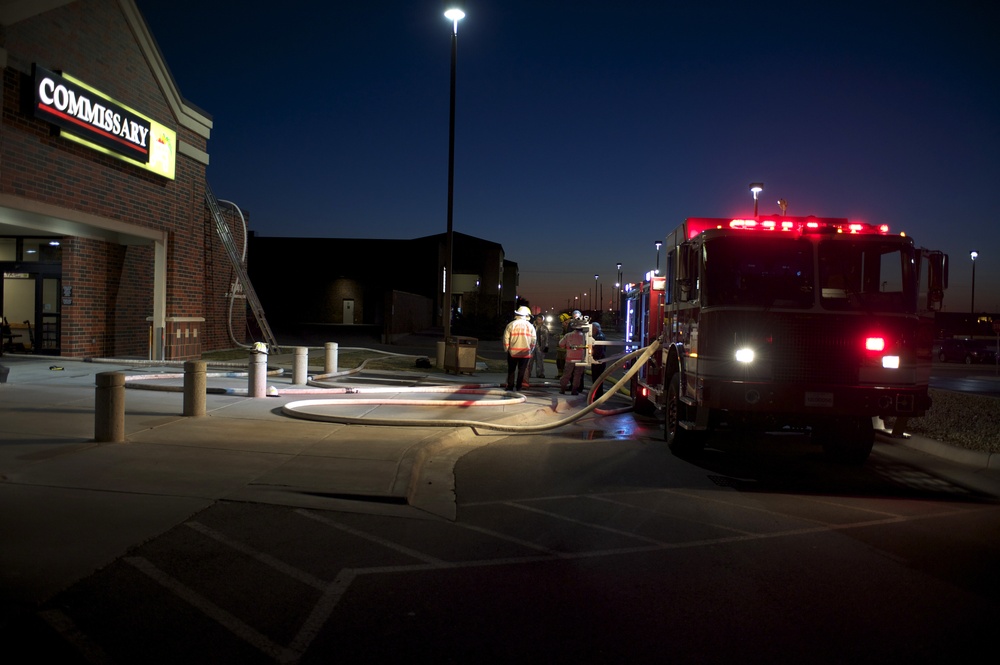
(241, 272)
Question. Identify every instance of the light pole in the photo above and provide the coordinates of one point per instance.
(756, 188)
(974, 255)
(453, 15)
(618, 298)
(658, 244)
(594, 295)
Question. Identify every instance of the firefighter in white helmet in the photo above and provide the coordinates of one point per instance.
(519, 345)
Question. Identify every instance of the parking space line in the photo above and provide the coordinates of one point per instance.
(402, 549)
(213, 611)
(259, 556)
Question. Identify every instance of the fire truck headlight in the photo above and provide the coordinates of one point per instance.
(890, 362)
(744, 355)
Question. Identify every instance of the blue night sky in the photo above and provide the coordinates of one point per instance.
(587, 130)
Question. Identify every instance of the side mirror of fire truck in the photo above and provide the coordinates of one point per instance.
(687, 273)
(937, 279)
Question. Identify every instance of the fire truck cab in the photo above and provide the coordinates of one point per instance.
(810, 323)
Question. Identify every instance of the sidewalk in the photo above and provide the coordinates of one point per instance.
(62, 492)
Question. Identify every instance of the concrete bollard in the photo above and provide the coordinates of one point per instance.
(258, 374)
(330, 366)
(194, 387)
(109, 408)
(300, 368)
(440, 354)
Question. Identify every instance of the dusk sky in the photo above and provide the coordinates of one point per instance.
(586, 130)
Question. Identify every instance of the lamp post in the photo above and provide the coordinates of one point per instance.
(658, 245)
(594, 295)
(756, 188)
(618, 298)
(453, 15)
(973, 255)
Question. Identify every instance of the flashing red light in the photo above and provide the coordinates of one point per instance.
(697, 225)
(875, 344)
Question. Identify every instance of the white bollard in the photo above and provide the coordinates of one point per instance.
(300, 369)
(258, 374)
(330, 366)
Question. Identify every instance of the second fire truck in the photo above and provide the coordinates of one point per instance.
(787, 322)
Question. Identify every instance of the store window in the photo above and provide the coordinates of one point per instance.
(8, 249)
(42, 250)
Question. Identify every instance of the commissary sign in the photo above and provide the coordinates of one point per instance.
(90, 117)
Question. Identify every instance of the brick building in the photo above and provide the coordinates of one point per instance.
(106, 244)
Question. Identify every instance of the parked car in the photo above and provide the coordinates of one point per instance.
(966, 351)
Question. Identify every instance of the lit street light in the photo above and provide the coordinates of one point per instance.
(974, 255)
(453, 15)
(756, 188)
(658, 245)
(618, 297)
(594, 295)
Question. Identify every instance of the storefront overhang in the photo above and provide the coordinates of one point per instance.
(20, 216)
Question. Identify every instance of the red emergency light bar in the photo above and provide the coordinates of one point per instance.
(696, 225)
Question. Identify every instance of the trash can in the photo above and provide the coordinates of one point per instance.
(460, 354)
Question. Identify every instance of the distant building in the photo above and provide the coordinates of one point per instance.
(394, 286)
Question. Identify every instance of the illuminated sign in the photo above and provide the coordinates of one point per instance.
(91, 118)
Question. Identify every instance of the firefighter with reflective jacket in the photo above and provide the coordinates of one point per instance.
(519, 344)
(575, 343)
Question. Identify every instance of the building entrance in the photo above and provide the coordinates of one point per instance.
(30, 302)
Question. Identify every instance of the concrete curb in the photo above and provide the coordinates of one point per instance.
(976, 459)
(432, 478)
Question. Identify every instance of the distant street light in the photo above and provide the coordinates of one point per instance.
(594, 295)
(618, 297)
(974, 255)
(756, 188)
(658, 245)
(453, 15)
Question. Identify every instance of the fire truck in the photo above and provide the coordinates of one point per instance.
(812, 324)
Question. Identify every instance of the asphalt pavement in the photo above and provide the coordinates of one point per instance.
(70, 505)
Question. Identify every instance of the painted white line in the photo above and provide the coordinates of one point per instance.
(213, 611)
(589, 525)
(321, 612)
(402, 549)
(262, 557)
(672, 516)
(68, 630)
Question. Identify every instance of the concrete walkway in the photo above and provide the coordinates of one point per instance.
(69, 505)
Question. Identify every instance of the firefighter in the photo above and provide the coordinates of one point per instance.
(541, 345)
(565, 319)
(575, 344)
(519, 344)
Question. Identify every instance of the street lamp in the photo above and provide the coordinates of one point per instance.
(658, 245)
(756, 188)
(594, 295)
(974, 255)
(453, 15)
(618, 299)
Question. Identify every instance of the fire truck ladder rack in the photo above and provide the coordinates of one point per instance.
(241, 272)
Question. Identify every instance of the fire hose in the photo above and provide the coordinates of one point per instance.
(294, 409)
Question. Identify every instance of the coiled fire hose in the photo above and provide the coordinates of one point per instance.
(293, 409)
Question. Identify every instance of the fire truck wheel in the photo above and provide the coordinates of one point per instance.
(848, 441)
(681, 441)
(641, 404)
